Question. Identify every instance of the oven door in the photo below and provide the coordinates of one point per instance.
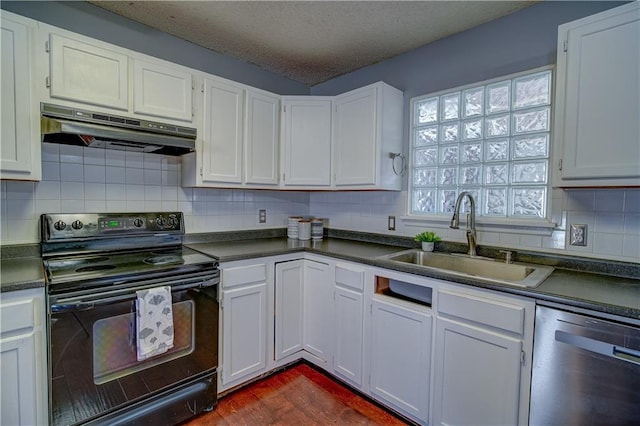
(93, 368)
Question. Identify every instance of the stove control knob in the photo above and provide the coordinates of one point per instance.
(60, 225)
(161, 221)
(77, 225)
(137, 222)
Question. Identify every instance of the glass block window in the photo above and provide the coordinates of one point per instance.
(490, 139)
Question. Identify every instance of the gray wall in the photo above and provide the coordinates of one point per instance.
(92, 21)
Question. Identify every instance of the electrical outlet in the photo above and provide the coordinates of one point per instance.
(391, 223)
(262, 216)
(578, 235)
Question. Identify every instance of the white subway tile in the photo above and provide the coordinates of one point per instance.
(115, 174)
(50, 152)
(20, 209)
(631, 247)
(47, 190)
(185, 194)
(94, 173)
(152, 193)
(135, 193)
(607, 244)
(71, 191)
(530, 241)
(152, 205)
(170, 178)
(115, 158)
(169, 206)
(611, 223)
(152, 177)
(632, 201)
(134, 176)
(17, 190)
(22, 231)
(51, 171)
(185, 207)
(47, 206)
(71, 154)
(71, 172)
(72, 206)
(152, 161)
(95, 206)
(116, 206)
(116, 191)
(135, 206)
(609, 200)
(134, 160)
(169, 193)
(95, 191)
(580, 200)
(95, 156)
(631, 224)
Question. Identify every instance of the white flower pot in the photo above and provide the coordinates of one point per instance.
(427, 246)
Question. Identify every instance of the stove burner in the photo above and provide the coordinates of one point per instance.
(164, 260)
(95, 268)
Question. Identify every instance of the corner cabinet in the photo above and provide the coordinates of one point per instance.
(23, 355)
(482, 358)
(367, 128)
(20, 133)
(597, 135)
(239, 139)
(306, 142)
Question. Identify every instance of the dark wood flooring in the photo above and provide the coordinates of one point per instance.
(299, 395)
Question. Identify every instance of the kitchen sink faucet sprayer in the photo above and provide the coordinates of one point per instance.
(471, 221)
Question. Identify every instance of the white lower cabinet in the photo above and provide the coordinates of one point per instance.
(23, 358)
(400, 356)
(317, 312)
(348, 328)
(288, 327)
(244, 322)
(482, 358)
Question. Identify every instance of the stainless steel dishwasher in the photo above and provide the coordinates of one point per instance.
(586, 371)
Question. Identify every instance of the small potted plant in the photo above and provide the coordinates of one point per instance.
(427, 238)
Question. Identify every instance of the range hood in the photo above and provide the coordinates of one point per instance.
(72, 126)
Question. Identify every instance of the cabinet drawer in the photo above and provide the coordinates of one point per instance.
(493, 313)
(17, 316)
(347, 277)
(243, 275)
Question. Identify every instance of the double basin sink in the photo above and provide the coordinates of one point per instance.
(486, 269)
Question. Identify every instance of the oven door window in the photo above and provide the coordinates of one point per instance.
(94, 368)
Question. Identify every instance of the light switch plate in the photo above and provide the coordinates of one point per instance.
(578, 235)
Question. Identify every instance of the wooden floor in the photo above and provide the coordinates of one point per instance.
(299, 395)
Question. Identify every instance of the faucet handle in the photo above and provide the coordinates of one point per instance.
(508, 254)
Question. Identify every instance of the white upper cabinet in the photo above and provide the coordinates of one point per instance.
(262, 138)
(20, 133)
(597, 135)
(306, 142)
(221, 147)
(367, 127)
(161, 91)
(88, 74)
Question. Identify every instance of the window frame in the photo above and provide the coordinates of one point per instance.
(534, 226)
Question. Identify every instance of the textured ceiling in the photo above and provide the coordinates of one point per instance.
(312, 41)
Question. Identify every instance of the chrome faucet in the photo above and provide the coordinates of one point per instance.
(471, 221)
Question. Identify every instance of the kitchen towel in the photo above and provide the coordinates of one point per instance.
(154, 322)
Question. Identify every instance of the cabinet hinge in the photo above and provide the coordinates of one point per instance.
(46, 46)
(202, 88)
(565, 45)
(284, 108)
(522, 357)
(370, 309)
(560, 164)
(200, 171)
(221, 303)
(47, 82)
(283, 177)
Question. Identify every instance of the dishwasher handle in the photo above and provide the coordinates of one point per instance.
(607, 349)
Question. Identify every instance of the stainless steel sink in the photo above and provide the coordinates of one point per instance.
(517, 274)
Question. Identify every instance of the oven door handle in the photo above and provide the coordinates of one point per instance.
(78, 304)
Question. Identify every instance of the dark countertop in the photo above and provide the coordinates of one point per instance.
(598, 292)
(21, 274)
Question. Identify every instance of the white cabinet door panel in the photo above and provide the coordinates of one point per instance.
(348, 335)
(317, 308)
(161, 91)
(262, 138)
(89, 74)
(289, 305)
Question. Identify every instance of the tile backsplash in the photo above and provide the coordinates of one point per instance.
(612, 217)
(77, 179)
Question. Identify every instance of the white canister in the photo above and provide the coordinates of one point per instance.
(304, 229)
(317, 229)
(292, 226)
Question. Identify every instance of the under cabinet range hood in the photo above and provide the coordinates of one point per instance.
(72, 126)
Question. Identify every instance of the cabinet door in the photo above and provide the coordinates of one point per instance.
(161, 91)
(20, 138)
(222, 126)
(317, 309)
(348, 335)
(244, 317)
(597, 102)
(355, 154)
(89, 74)
(307, 142)
(476, 376)
(400, 357)
(18, 383)
(288, 328)
(262, 138)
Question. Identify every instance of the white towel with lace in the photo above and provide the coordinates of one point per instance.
(154, 322)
